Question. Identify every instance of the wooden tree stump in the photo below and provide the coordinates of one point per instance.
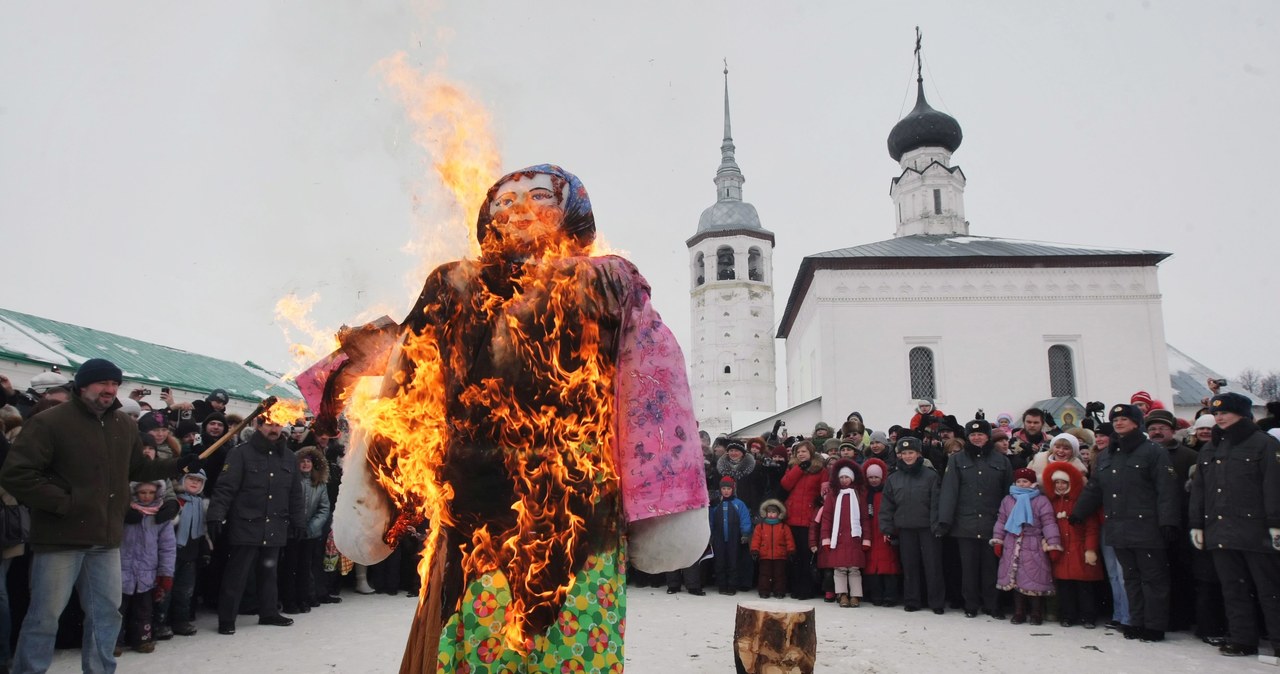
(774, 638)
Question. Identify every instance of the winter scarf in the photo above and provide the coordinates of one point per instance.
(855, 521)
(736, 469)
(190, 518)
(772, 520)
(151, 509)
(1021, 513)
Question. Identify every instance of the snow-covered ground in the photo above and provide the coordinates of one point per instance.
(671, 634)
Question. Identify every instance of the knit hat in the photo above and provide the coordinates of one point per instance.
(1069, 439)
(131, 407)
(846, 471)
(1024, 474)
(874, 470)
(978, 426)
(729, 482)
(95, 370)
(910, 443)
(1204, 421)
(1140, 397)
(735, 444)
(151, 421)
(45, 381)
(880, 437)
(218, 395)
(823, 428)
(185, 427)
(849, 444)
(1004, 415)
(1232, 402)
(1060, 475)
(1162, 417)
(1130, 412)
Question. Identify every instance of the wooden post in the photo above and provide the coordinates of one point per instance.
(774, 638)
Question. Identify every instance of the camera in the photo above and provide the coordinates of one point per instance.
(164, 389)
(1220, 382)
(1094, 407)
(145, 391)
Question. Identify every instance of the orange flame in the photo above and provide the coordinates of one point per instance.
(307, 343)
(547, 415)
(285, 412)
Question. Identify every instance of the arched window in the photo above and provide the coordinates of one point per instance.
(699, 270)
(724, 264)
(755, 264)
(1062, 371)
(727, 370)
(923, 381)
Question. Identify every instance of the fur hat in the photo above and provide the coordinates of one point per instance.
(1161, 417)
(1130, 412)
(1024, 474)
(910, 442)
(773, 503)
(735, 444)
(1232, 402)
(978, 426)
(1084, 435)
(824, 429)
(1074, 476)
(319, 466)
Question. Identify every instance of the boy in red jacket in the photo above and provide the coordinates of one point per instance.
(772, 545)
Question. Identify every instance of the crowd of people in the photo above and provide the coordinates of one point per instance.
(121, 531)
(1140, 521)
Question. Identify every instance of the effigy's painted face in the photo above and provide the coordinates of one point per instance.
(526, 209)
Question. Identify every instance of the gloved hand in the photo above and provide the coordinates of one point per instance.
(1170, 533)
(214, 529)
(167, 511)
(941, 529)
(745, 540)
(164, 583)
(804, 465)
(132, 516)
(1075, 519)
(1197, 538)
(1275, 538)
(1062, 514)
(188, 463)
(1090, 558)
(1055, 555)
(998, 548)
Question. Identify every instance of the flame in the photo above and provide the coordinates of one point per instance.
(542, 411)
(293, 316)
(285, 412)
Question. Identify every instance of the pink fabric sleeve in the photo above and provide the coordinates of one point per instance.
(658, 452)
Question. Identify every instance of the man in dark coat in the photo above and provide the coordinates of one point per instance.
(1235, 513)
(909, 512)
(259, 499)
(1161, 425)
(72, 465)
(976, 481)
(1134, 483)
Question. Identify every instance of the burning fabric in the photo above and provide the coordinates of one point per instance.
(534, 413)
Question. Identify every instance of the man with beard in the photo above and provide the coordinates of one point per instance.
(1134, 484)
(975, 483)
(1161, 425)
(1031, 438)
(259, 500)
(1235, 513)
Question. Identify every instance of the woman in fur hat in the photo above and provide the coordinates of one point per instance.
(1026, 539)
(301, 558)
(844, 521)
(1077, 572)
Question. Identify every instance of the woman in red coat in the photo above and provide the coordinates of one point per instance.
(1078, 570)
(845, 525)
(802, 481)
(881, 575)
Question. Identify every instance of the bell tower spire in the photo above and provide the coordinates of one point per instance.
(729, 177)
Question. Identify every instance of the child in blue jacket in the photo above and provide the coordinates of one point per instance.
(730, 535)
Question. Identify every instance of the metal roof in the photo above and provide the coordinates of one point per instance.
(44, 341)
(965, 246)
(1190, 380)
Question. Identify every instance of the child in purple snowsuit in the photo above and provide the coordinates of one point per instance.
(146, 564)
(1026, 538)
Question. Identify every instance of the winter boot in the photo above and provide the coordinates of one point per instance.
(855, 602)
(843, 599)
(362, 580)
(1019, 609)
(185, 629)
(1037, 610)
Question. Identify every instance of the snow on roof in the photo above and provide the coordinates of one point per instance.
(1189, 379)
(19, 340)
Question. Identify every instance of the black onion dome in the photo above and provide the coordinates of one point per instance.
(924, 127)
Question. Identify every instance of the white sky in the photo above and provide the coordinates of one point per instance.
(169, 170)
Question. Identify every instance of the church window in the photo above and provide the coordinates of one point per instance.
(937, 202)
(755, 264)
(1062, 371)
(726, 369)
(699, 270)
(724, 264)
(923, 379)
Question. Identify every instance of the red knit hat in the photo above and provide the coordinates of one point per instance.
(1024, 474)
(729, 482)
(1141, 397)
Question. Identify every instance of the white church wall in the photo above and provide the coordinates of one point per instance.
(989, 330)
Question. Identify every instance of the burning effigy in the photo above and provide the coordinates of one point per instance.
(533, 415)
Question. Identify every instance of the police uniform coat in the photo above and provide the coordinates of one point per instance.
(1235, 493)
(259, 494)
(972, 488)
(1134, 484)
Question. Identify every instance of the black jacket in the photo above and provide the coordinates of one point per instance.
(975, 483)
(910, 499)
(1134, 484)
(259, 494)
(1235, 493)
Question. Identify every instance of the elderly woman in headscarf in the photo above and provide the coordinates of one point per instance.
(535, 410)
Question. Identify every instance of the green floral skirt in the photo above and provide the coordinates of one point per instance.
(586, 638)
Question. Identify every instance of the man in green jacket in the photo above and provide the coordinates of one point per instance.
(72, 465)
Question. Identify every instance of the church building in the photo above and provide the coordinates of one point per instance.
(941, 313)
(732, 369)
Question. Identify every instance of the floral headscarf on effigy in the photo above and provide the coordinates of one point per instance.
(578, 222)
